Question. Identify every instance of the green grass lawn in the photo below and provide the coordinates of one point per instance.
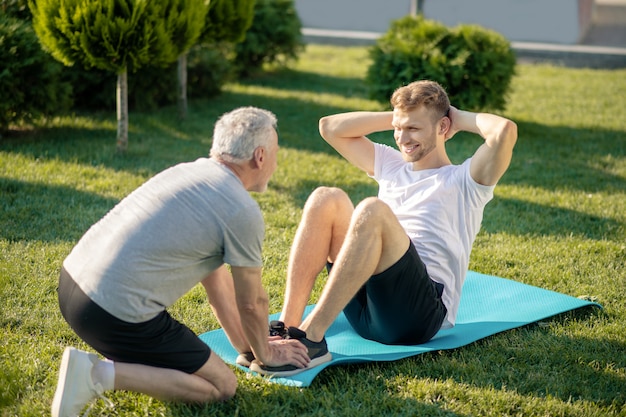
(558, 221)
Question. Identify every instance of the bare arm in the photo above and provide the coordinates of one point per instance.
(493, 157)
(252, 304)
(221, 294)
(346, 132)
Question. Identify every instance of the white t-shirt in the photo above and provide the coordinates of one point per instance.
(165, 237)
(441, 211)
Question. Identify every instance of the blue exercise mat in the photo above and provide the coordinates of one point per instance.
(489, 305)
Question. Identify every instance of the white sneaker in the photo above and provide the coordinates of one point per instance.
(75, 388)
(245, 359)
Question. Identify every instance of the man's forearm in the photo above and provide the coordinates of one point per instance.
(354, 124)
(489, 126)
(254, 320)
(253, 305)
(221, 293)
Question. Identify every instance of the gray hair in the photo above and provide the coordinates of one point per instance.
(239, 132)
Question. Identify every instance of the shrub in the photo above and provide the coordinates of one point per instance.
(274, 36)
(208, 68)
(29, 78)
(227, 20)
(474, 64)
(15, 8)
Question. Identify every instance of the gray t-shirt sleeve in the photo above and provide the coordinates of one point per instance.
(243, 238)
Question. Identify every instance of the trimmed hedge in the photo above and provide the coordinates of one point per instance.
(474, 64)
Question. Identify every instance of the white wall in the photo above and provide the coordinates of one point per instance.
(552, 21)
(356, 15)
(549, 21)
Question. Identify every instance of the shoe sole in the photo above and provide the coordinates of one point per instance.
(314, 362)
(65, 370)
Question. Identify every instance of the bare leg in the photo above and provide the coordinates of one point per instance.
(374, 242)
(319, 237)
(213, 382)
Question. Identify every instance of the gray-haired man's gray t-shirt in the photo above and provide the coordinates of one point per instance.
(165, 237)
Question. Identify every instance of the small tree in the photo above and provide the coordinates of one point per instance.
(226, 21)
(118, 35)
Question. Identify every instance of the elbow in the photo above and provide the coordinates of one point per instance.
(325, 128)
(509, 132)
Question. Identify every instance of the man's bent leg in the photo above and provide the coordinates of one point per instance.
(214, 381)
(80, 382)
(374, 242)
(160, 357)
(325, 220)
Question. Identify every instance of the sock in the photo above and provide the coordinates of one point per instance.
(103, 373)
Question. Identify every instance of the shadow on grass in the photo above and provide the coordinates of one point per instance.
(36, 212)
(534, 361)
(353, 391)
(547, 157)
(564, 158)
(297, 80)
(519, 217)
(530, 363)
(158, 139)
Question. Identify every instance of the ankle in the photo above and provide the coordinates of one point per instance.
(313, 335)
(103, 373)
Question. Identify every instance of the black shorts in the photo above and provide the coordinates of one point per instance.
(160, 342)
(401, 305)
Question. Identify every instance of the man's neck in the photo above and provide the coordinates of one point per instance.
(435, 159)
(238, 170)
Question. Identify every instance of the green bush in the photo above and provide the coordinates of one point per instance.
(15, 8)
(227, 20)
(274, 36)
(474, 64)
(30, 79)
(208, 68)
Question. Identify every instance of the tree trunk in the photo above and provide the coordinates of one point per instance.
(182, 86)
(416, 7)
(122, 111)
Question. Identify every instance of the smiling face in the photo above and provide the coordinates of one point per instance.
(415, 133)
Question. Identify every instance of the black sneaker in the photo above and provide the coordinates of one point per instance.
(318, 352)
(277, 328)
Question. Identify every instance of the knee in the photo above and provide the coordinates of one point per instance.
(372, 208)
(229, 390)
(226, 389)
(332, 199)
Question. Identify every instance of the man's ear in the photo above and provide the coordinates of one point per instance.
(259, 156)
(444, 125)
